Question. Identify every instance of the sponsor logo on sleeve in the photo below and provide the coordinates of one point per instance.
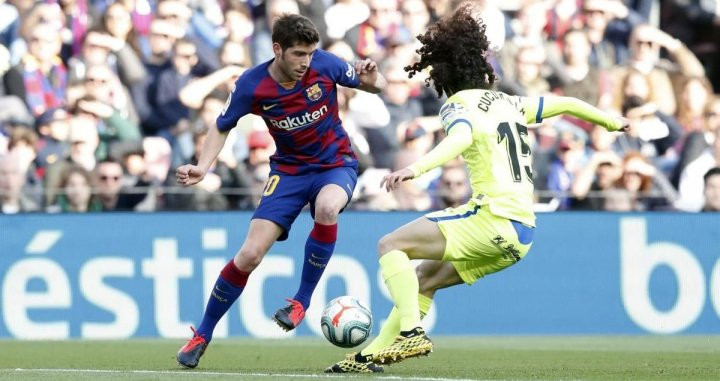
(450, 112)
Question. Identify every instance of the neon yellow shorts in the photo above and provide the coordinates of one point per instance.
(478, 242)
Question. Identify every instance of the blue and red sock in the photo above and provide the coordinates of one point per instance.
(318, 250)
(226, 290)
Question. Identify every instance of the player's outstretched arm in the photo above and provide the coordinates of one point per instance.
(370, 78)
(189, 174)
(538, 108)
(459, 138)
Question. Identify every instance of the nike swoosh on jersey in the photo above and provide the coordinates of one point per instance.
(268, 107)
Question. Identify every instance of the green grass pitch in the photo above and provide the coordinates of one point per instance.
(475, 358)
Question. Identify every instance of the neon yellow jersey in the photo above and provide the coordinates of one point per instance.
(499, 158)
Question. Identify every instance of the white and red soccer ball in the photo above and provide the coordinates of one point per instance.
(345, 322)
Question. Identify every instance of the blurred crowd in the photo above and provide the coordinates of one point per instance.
(100, 100)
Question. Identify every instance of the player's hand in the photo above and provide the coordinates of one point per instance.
(624, 124)
(366, 70)
(189, 174)
(392, 181)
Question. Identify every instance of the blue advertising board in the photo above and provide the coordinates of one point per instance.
(148, 275)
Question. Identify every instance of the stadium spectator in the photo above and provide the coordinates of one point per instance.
(711, 190)
(179, 14)
(22, 147)
(529, 34)
(383, 141)
(163, 36)
(369, 196)
(238, 24)
(569, 158)
(594, 180)
(651, 131)
(528, 78)
(101, 48)
(697, 24)
(453, 187)
(606, 31)
(12, 179)
(206, 194)
(645, 44)
(76, 193)
(40, 79)
(578, 78)
(174, 114)
(83, 140)
(370, 38)
(648, 187)
(10, 32)
(691, 178)
(694, 100)
(415, 16)
(410, 195)
(562, 16)
(108, 180)
(77, 20)
(633, 83)
(117, 22)
(697, 142)
(53, 129)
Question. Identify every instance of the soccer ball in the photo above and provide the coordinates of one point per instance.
(345, 322)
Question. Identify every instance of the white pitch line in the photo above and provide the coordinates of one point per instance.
(208, 373)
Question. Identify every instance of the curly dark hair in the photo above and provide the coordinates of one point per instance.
(455, 50)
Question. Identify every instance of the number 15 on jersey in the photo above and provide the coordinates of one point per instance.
(518, 154)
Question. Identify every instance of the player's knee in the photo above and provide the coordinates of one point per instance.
(424, 280)
(326, 214)
(249, 258)
(386, 244)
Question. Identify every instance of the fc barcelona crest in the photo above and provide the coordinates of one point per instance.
(314, 92)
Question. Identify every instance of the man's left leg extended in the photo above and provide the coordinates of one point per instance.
(327, 204)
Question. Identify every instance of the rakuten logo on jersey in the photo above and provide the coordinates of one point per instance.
(306, 119)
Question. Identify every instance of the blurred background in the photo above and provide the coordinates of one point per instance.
(101, 100)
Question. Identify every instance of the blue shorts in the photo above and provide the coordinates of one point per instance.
(284, 195)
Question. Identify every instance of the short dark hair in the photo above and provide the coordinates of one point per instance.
(711, 172)
(455, 48)
(290, 30)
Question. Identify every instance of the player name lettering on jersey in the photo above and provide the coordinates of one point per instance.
(490, 96)
(306, 119)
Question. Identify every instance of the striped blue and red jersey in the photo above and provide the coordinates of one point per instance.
(304, 120)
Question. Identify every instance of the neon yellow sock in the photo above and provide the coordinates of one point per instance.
(424, 302)
(387, 334)
(391, 328)
(402, 283)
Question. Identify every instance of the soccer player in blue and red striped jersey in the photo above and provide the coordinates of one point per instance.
(296, 94)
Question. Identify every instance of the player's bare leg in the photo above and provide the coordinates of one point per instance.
(230, 284)
(318, 250)
(435, 275)
(261, 235)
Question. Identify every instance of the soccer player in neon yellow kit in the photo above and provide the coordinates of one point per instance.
(491, 232)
